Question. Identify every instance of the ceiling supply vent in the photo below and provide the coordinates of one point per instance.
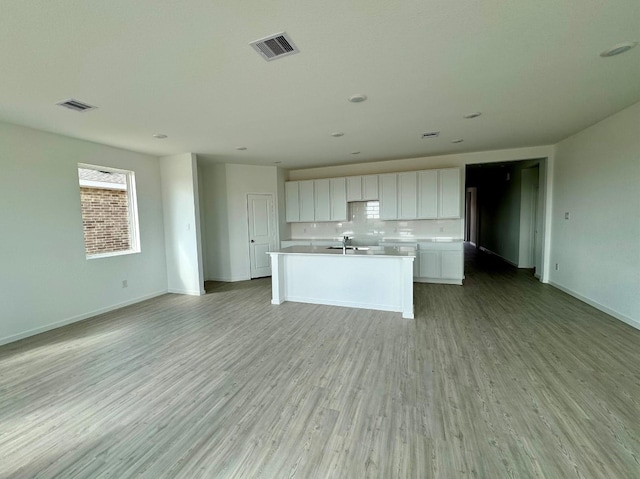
(76, 105)
(275, 46)
(432, 134)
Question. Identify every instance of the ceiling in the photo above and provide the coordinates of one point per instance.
(184, 68)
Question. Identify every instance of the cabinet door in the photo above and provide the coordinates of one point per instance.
(407, 196)
(338, 199)
(449, 193)
(451, 264)
(322, 198)
(354, 188)
(370, 187)
(292, 202)
(429, 264)
(428, 194)
(388, 196)
(307, 207)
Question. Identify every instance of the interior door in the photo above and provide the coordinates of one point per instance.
(262, 233)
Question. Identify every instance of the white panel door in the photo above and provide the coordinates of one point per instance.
(370, 187)
(338, 199)
(449, 193)
(354, 188)
(388, 196)
(307, 201)
(322, 200)
(428, 194)
(262, 233)
(407, 195)
(292, 202)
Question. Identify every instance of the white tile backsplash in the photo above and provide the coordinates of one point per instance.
(366, 230)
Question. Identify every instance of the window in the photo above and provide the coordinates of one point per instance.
(109, 211)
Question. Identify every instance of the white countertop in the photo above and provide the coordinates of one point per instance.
(359, 251)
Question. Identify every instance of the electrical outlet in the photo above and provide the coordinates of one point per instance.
(557, 266)
(125, 283)
(566, 215)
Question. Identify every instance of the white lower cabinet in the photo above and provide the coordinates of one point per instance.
(441, 263)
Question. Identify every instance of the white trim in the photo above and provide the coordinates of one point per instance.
(229, 279)
(437, 281)
(595, 304)
(102, 185)
(112, 253)
(346, 304)
(190, 292)
(80, 317)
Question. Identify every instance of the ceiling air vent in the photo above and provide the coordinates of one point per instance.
(432, 134)
(275, 46)
(76, 105)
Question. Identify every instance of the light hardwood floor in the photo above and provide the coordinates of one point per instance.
(503, 377)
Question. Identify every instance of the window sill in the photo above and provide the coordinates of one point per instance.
(112, 253)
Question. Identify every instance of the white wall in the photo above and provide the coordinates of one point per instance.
(216, 221)
(423, 163)
(226, 215)
(597, 180)
(45, 279)
(181, 208)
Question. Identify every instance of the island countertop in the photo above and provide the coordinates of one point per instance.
(378, 251)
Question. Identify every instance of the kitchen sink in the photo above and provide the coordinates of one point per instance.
(355, 248)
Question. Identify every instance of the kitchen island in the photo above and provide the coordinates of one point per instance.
(378, 278)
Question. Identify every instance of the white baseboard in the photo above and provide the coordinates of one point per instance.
(437, 281)
(190, 292)
(80, 317)
(229, 279)
(601, 307)
(348, 304)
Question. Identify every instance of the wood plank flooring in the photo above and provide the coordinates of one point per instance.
(501, 378)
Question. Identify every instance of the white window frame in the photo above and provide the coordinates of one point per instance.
(132, 200)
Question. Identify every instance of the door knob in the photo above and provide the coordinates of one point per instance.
(252, 241)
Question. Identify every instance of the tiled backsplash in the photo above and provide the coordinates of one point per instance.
(367, 230)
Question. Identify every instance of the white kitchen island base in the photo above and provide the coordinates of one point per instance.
(358, 279)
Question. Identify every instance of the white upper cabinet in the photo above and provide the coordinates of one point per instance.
(370, 187)
(408, 195)
(292, 201)
(362, 188)
(307, 201)
(388, 184)
(449, 193)
(338, 199)
(354, 188)
(322, 200)
(428, 194)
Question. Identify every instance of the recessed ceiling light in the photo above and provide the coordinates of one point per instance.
(618, 49)
(160, 136)
(459, 140)
(472, 115)
(241, 148)
(358, 98)
(355, 152)
(337, 134)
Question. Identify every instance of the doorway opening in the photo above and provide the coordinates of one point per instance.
(504, 205)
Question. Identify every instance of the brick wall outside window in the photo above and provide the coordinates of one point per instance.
(105, 220)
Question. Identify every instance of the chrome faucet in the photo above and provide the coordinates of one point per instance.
(345, 240)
